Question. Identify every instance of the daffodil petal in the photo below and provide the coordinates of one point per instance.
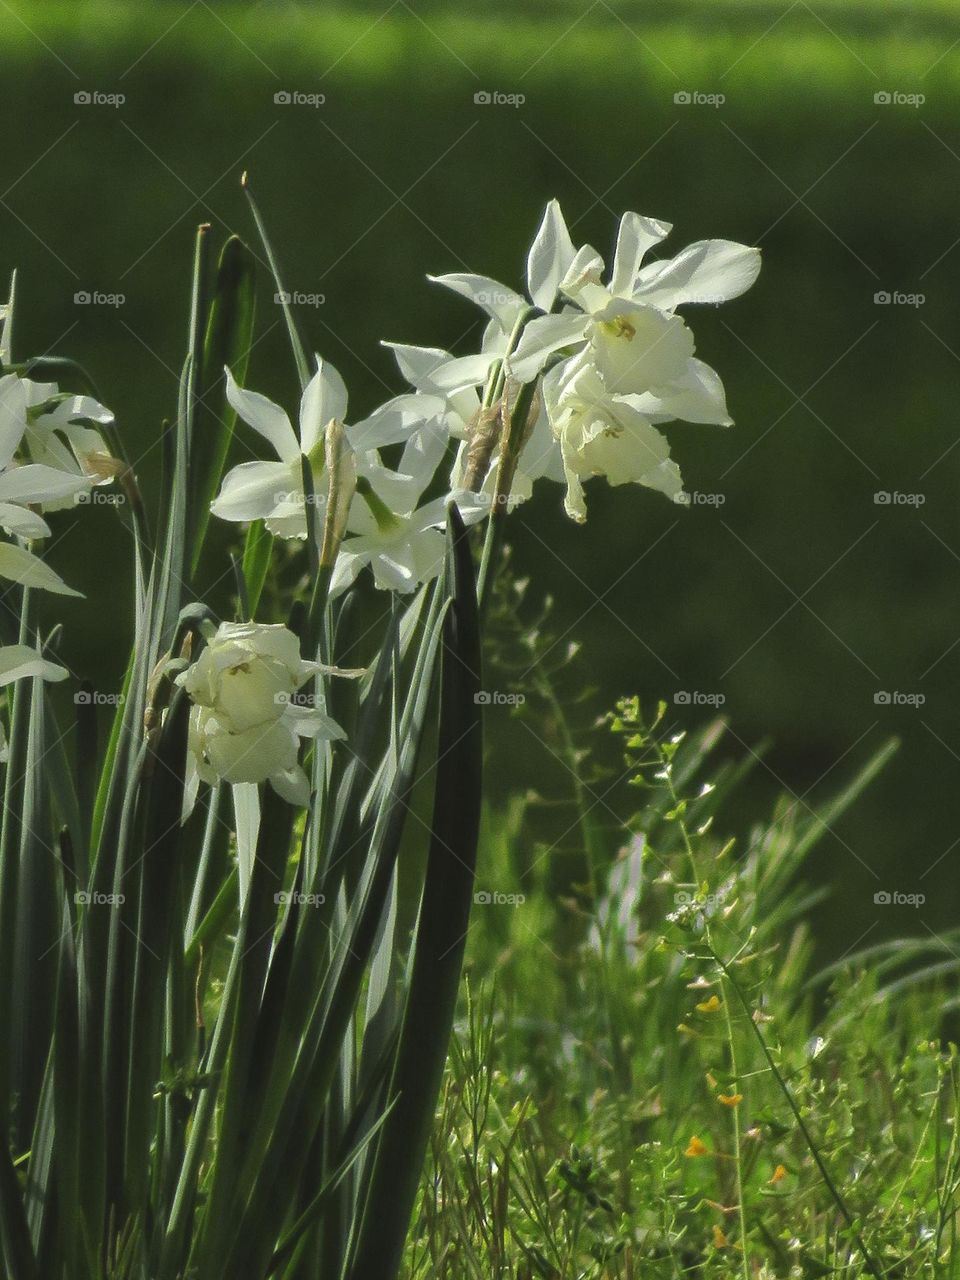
(499, 302)
(29, 570)
(264, 416)
(324, 398)
(18, 661)
(708, 271)
(550, 257)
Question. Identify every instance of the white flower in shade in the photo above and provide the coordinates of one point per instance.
(403, 543)
(18, 662)
(246, 722)
(24, 487)
(604, 435)
(460, 414)
(273, 491)
(58, 436)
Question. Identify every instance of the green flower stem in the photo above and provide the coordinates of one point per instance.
(10, 843)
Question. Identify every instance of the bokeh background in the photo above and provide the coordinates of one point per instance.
(828, 133)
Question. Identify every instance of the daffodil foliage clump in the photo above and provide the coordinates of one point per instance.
(224, 1033)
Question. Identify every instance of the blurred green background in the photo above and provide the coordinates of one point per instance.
(799, 599)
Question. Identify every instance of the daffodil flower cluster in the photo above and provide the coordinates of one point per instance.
(615, 359)
(51, 456)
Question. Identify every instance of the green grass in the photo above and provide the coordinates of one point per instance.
(583, 1130)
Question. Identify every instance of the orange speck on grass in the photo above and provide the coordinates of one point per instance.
(696, 1148)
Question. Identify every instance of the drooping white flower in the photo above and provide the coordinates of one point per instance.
(246, 722)
(273, 491)
(603, 435)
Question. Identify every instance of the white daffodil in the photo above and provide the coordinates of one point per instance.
(57, 435)
(640, 347)
(461, 415)
(621, 358)
(402, 542)
(604, 435)
(18, 662)
(548, 260)
(24, 487)
(246, 722)
(273, 491)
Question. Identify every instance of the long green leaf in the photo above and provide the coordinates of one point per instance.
(440, 937)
